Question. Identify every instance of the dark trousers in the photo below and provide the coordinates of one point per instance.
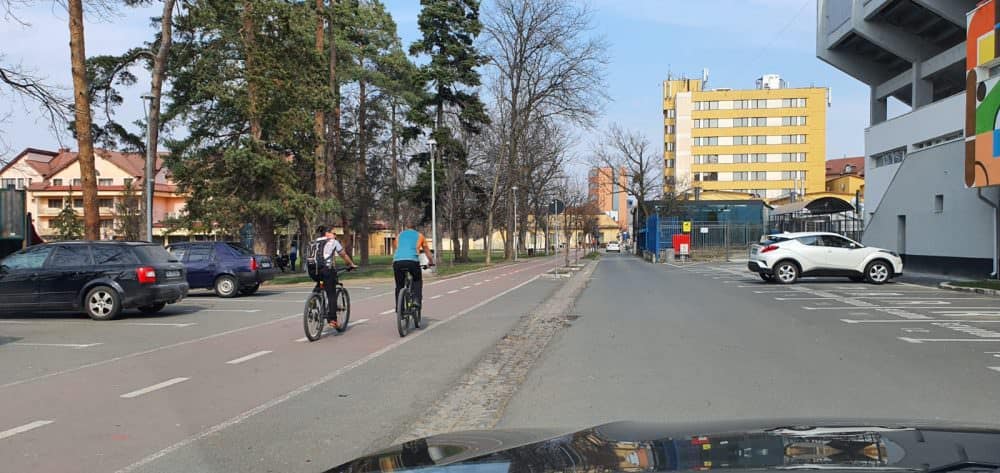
(291, 259)
(399, 270)
(329, 278)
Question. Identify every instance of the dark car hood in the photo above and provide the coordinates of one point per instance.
(744, 445)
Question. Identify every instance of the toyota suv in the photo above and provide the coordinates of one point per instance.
(785, 257)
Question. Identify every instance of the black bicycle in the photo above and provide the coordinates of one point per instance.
(314, 315)
(407, 312)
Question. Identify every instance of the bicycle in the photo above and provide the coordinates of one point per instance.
(314, 315)
(406, 311)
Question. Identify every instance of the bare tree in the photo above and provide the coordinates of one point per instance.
(627, 151)
(544, 65)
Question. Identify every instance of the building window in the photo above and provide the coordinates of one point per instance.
(793, 157)
(758, 175)
(127, 181)
(669, 145)
(939, 203)
(887, 158)
(75, 182)
(57, 182)
(741, 176)
(55, 203)
(105, 203)
(741, 140)
(741, 122)
(758, 158)
(671, 113)
(78, 203)
(706, 159)
(706, 123)
(706, 141)
(793, 103)
(758, 121)
(669, 129)
(793, 139)
(8, 183)
(758, 140)
(104, 182)
(668, 163)
(793, 121)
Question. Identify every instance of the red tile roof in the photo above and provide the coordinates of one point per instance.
(132, 163)
(836, 167)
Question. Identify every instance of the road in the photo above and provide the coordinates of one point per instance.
(712, 341)
(230, 385)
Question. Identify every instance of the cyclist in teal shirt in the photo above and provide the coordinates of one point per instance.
(409, 244)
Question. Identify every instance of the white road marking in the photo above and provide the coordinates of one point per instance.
(968, 313)
(884, 299)
(874, 307)
(312, 385)
(57, 345)
(387, 312)
(303, 339)
(452, 291)
(969, 329)
(104, 324)
(248, 357)
(922, 340)
(155, 387)
(157, 324)
(994, 368)
(436, 297)
(359, 322)
(904, 314)
(478, 283)
(24, 428)
(908, 321)
(245, 311)
(915, 330)
(465, 287)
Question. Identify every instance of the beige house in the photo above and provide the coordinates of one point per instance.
(52, 178)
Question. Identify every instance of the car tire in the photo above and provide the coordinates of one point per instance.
(878, 272)
(250, 290)
(786, 272)
(226, 286)
(102, 303)
(152, 309)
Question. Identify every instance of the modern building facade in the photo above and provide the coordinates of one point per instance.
(768, 141)
(916, 199)
(606, 188)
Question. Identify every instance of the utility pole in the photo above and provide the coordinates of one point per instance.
(514, 190)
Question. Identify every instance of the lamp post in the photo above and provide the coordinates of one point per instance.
(514, 190)
(147, 192)
(433, 144)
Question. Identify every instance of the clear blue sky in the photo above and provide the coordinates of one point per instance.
(737, 40)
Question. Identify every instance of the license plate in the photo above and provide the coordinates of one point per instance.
(173, 273)
(265, 265)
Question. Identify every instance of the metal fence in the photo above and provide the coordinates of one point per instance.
(715, 236)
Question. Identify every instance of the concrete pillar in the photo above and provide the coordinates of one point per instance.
(923, 90)
(879, 108)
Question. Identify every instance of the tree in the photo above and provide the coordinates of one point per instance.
(128, 215)
(448, 31)
(67, 224)
(81, 96)
(544, 65)
(629, 152)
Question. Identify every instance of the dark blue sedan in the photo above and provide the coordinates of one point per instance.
(227, 268)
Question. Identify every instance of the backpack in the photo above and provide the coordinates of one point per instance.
(315, 262)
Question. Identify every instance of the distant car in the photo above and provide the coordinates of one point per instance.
(613, 247)
(225, 267)
(98, 277)
(785, 257)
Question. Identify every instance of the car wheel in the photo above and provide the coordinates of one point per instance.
(226, 286)
(766, 277)
(786, 272)
(102, 303)
(250, 290)
(152, 309)
(878, 272)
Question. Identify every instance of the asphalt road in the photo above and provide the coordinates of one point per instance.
(712, 341)
(230, 384)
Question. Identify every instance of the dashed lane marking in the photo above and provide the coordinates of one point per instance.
(910, 321)
(155, 387)
(248, 357)
(924, 340)
(452, 291)
(57, 345)
(465, 287)
(387, 312)
(994, 368)
(24, 428)
(359, 322)
(436, 297)
(478, 283)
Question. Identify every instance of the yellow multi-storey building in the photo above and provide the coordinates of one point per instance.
(769, 141)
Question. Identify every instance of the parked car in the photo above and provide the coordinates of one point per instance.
(225, 267)
(613, 246)
(98, 277)
(785, 257)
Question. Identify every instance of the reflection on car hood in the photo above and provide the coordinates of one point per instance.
(636, 447)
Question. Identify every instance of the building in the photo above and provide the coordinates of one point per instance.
(52, 178)
(846, 176)
(768, 141)
(610, 197)
(916, 199)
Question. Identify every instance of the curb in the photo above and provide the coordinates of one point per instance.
(973, 290)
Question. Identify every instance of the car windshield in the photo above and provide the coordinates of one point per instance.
(278, 235)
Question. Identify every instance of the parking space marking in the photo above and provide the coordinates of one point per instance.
(465, 287)
(969, 313)
(452, 291)
(155, 387)
(246, 311)
(994, 368)
(478, 283)
(904, 314)
(436, 297)
(923, 340)
(24, 428)
(910, 321)
(965, 328)
(879, 307)
(57, 345)
(248, 357)
(359, 322)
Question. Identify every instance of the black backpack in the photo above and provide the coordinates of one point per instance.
(315, 262)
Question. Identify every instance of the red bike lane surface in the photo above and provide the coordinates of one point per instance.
(109, 416)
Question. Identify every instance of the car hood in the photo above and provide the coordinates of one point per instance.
(744, 445)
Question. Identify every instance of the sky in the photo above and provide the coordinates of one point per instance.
(736, 40)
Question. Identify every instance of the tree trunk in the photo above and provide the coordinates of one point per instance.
(264, 241)
(335, 179)
(156, 87)
(81, 100)
(319, 127)
(488, 238)
(394, 152)
(362, 177)
(465, 243)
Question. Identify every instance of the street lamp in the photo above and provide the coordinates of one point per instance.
(433, 144)
(514, 189)
(150, 157)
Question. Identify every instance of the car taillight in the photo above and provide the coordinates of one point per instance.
(769, 248)
(253, 264)
(146, 275)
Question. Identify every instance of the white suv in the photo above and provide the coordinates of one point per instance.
(785, 257)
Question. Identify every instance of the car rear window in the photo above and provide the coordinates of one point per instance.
(113, 254)
(155, 254)
(239, 250)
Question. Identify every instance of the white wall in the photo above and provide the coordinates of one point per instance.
(682, 166)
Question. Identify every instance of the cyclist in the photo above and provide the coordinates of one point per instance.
(409, 244)
(328, 271)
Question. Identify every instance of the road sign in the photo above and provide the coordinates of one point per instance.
(557, 207)
(704, 229)
(686, 226)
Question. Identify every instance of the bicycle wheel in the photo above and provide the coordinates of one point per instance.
(312, 317)
(402, 303)
(343, 308)
(416, 317)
